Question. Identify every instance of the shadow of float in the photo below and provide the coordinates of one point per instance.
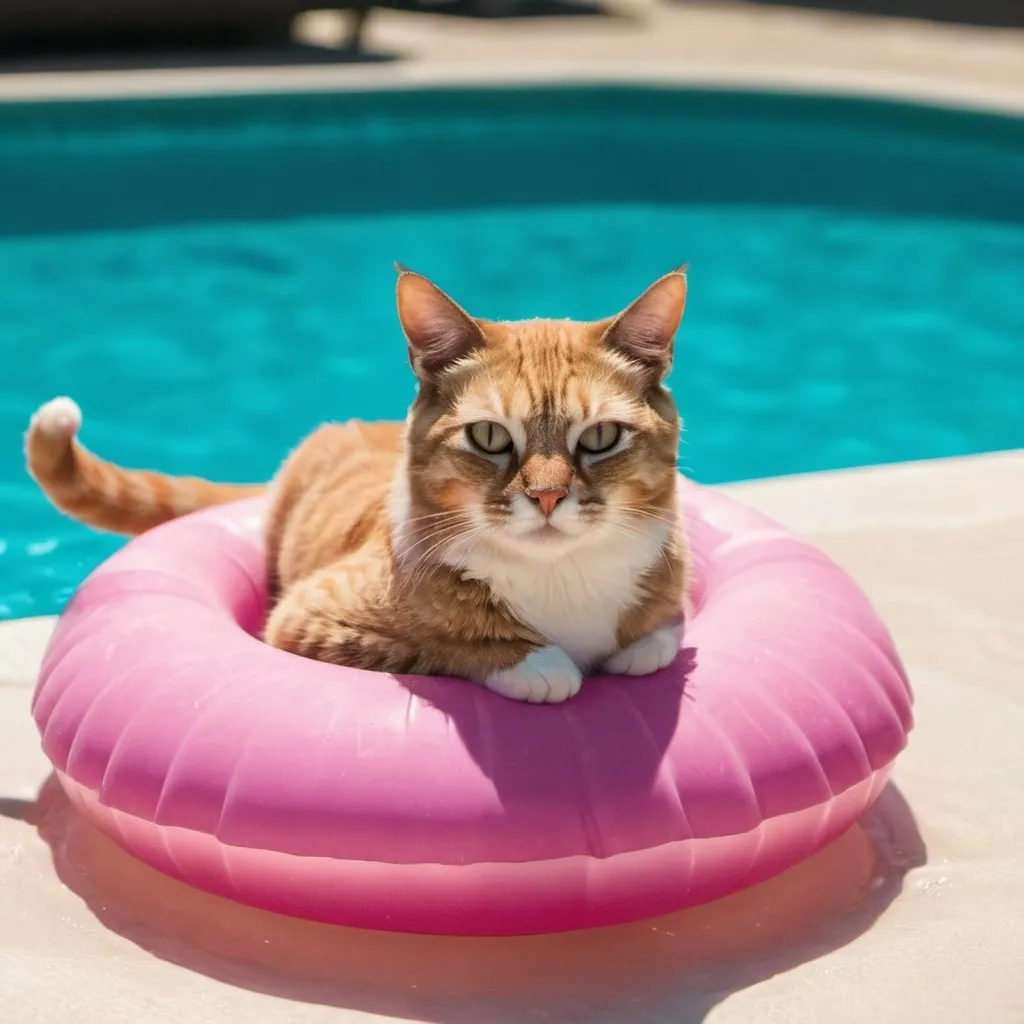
(521, 750)
(675, 967)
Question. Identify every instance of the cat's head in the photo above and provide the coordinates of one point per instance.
(538, 437)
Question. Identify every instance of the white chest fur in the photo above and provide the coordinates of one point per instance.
(576, 601)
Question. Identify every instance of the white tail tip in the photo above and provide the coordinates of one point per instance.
(60, 417)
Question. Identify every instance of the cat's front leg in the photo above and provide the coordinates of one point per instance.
(649, 654)
(546, 675)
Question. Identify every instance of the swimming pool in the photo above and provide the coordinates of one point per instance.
(210, 278)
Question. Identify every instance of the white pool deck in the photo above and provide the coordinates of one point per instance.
(917, 915)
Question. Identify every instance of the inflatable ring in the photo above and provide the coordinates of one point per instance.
(432, 805)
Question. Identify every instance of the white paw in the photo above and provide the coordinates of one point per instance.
(60, 417)
(547, 676)
(648, 654)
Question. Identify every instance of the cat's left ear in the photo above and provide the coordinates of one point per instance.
(645, 330)
(439, 331)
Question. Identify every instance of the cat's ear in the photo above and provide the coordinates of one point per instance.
(644, 331)
(439, 331)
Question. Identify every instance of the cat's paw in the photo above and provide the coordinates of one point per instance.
(648, 654)
(546, 676)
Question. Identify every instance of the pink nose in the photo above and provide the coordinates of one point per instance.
(548, 498)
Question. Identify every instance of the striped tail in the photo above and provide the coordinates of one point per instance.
(106, 496)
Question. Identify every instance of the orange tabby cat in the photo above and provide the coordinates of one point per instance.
(520, 529)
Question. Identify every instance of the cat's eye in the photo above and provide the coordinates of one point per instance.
(600, 438)
(490, 438)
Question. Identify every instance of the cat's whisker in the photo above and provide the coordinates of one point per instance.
(468, 552)
(411, 572)
(435, 539)
(424, 567)
(421, 565)
(437, 515)
(648, 510)
(447, 513)
(657, 515)
(426, 532)
(633, 534)
(458, 515)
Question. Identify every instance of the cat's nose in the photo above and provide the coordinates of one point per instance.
(547, 497)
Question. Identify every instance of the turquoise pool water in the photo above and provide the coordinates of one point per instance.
(212, 279)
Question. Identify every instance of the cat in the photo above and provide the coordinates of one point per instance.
(520, 529)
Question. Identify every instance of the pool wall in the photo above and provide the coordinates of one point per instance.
(298, 154)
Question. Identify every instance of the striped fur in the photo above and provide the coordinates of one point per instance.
(103, 495)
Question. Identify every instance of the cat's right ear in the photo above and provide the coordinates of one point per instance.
(644, 331)
(439, 331)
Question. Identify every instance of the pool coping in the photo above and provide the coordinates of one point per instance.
(74, 86)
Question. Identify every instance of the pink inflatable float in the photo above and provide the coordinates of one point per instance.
(433, 805)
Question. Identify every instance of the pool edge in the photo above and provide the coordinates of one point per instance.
(32, 87)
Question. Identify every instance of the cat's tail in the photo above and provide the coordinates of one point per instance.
(106, 496)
